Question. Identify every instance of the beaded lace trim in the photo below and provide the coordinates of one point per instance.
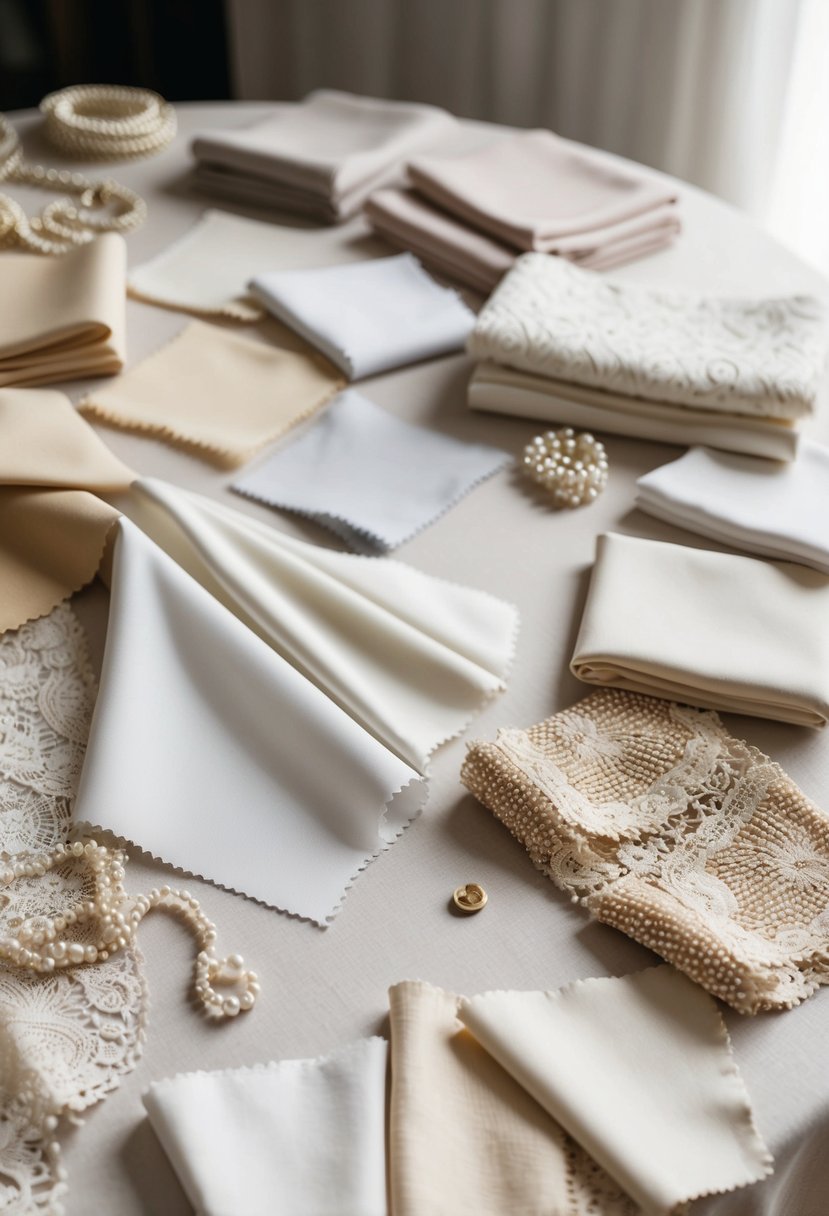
(690, 841)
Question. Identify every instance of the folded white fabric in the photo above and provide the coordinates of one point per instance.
(639, 1071)
(710, 629)
(372, 479)
(297, 1137)
(776, 510)
(368, 317)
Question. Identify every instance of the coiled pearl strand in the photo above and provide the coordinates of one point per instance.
(572, 467)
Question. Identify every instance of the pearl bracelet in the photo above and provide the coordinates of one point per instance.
(572, 467)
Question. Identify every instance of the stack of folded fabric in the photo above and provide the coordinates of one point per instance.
(471, 216)
(321, 157)
(567, 346)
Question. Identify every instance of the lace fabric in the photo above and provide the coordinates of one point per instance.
(690, 841)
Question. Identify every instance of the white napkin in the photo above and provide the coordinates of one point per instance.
(776, 510)
(295, 1137)
(369, 477)
(368, 317)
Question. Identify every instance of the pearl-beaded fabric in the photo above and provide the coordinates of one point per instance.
(573, 467)
(690, 841)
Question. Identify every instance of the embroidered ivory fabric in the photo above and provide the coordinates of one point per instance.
(639, 1071)
(66, 1039)
(368, 317)
(324, 155)
(64, 318)
(534, 190)
(218, 395)
(373, 480)
(768, 508)
(299, 1137)
(714, 629)
(688, 840)
(757, 357)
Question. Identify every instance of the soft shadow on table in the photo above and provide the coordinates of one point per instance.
(151, 1174)
(615, 953)
(483, 837)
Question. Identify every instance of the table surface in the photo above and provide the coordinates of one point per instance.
(323, 988)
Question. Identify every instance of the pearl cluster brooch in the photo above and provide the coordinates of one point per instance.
(42, 943)
(572, 467)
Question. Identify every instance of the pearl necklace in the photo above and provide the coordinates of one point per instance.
(39, 944)
(108, 122)
(572, 467)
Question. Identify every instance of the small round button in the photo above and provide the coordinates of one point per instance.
(470, 897)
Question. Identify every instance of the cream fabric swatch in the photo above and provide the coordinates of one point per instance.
(368, 317)
(218, 395)
(504, 390)
(639, 1071)
(298, 1137)
(757, 357)
(210, 751)
(534, 190)
(373, 480)
(771, 509)
(712, 629)
(64, 317)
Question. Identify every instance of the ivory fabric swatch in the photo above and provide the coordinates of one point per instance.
(295, 1136)
(713, 629)
(534, 190)
(65, 317)
(368, 317)
(775, 510)
(639, 1071)
(666, 827)
(215, 394)
(373, 480)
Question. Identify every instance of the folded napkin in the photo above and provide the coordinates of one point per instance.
(771, 509)
(218, 395)
(534, 190)
(326, 153)
(666, 827)
(368, 317)
(65, 317)
(373, 480)
(299, 1137)
(712, 629)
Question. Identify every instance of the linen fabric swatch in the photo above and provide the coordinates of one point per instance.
(373, 480)
(775, 510)
(368, 317)
(65, 318)
(215, 394)
(639, 1071)
(294, 1136)
(713, 629)
(666, 827)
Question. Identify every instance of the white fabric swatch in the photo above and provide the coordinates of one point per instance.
(368, 317)
(639, 1071)
(295, 1137)
(776, 510)
(373, 480)
(211, 752)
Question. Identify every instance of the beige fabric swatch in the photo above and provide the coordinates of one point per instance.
(686, 839)
(713, 629)
(218, 395)
(65, 317)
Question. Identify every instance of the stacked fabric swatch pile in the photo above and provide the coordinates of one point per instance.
(471, 216)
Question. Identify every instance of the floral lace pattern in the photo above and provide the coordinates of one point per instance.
(690, 841)
(66, 1038)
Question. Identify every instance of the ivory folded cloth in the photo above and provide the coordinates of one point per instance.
(712, 629)
(64, 317)
(325, 154)
(534, 190)
(295, 1136)
(373, 480)
(772, 509)
(218, 395)
(368, 317)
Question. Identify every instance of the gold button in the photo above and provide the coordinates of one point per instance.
(470, 897)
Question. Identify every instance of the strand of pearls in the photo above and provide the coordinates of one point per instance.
(40, 942)
(108, 122)
(572, 467)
